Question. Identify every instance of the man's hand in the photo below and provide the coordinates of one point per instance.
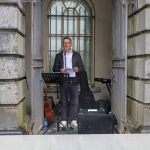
(63, 70)
(76, 69)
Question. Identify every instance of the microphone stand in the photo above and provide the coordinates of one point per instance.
(65, 59)
(67, 91)
(67, 94)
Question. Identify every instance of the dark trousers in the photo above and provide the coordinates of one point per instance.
(69, 101)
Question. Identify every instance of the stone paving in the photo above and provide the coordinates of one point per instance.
(54, 129)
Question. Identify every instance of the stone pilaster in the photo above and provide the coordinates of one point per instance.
(12, 64)
(138, 102)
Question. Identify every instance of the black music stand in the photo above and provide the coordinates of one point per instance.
(57, 78)
(105, 81)
(54, 77)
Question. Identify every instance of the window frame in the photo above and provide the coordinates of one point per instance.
(90, 36)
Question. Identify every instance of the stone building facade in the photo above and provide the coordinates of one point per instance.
(12, 64)
(138, 103)
(23, 59)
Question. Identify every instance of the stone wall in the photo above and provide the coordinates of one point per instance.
(138, 102)
(12, 64)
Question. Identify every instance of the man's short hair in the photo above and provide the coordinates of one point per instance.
(67, 38)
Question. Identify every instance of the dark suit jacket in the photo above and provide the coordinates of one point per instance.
(76, 62)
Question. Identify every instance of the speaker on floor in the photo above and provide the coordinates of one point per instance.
(93, 121)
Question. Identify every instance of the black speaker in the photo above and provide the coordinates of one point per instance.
(92, 121)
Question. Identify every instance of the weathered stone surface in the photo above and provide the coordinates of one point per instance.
(11, 17)
(11, 43)
(139, 90)
(143, 2)
(139, 22)
(8, 117)
(146, 109)
(139, 45)
(8, 17)
(21, 22)
(19, 2)
(138, 112)
(21, 113)
(138, 4)
(132, 90)
(132, 109)
(12, 93)
(139, 67)
(12, 117)
(11, 68)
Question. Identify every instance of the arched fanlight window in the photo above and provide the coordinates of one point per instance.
(71, 18)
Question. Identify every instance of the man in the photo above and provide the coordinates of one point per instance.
(69, 61)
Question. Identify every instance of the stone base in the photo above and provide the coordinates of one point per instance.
(11, 132)
(146, 129)
(12, 117)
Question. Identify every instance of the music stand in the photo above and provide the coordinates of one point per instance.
(57, 78)
(54, 77)
(105, 81)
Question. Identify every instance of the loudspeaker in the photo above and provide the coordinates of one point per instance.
(92, 121)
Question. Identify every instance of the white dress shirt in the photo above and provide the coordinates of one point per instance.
(67, 57)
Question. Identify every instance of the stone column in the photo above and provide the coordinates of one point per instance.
(12, 61)
(139, 67)
(34, 64)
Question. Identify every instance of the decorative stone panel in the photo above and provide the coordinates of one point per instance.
(19, 2)
(12, 92)
(139, 45)
(12, 116)
(141, 3)
(146, 109)
(12, 43)
(139, 67)
(139, 22)
(11, 68)
(8, 117)
(139, 90)
(132, 109)
(12, 18)
(138, 112)
(21, 113)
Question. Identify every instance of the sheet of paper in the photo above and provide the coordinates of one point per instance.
(71, 72)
